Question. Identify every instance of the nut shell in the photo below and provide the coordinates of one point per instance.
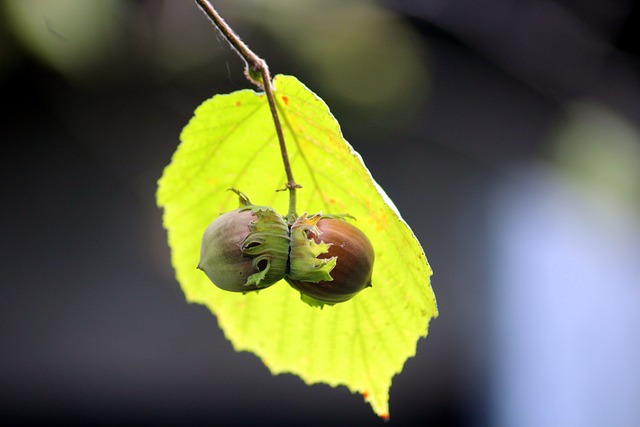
(245, 250)
(354, 262)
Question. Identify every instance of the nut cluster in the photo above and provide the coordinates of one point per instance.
(325, 258)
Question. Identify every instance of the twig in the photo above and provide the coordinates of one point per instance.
(257, 72)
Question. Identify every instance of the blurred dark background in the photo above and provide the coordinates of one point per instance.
(505, 131)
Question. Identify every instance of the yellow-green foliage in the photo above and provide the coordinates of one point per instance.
(231, 142)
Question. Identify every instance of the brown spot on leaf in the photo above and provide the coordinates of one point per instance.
(285, 100)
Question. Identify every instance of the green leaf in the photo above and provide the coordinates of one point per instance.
(231, 142)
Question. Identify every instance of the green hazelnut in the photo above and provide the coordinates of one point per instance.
(246, 249)
(331, 260)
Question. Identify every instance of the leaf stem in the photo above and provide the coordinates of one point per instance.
(257, 72)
